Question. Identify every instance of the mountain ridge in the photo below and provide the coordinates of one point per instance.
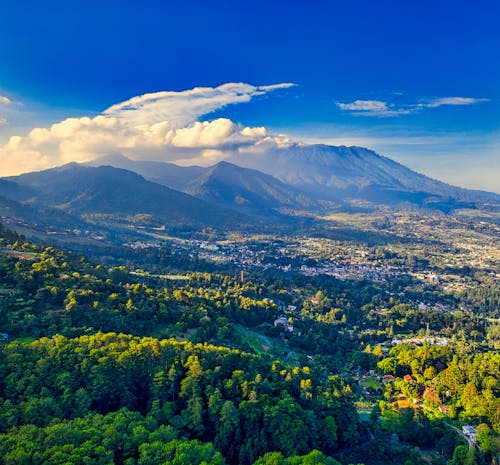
(88, 192)
(231, 185)
(164, 173)
(224, 184)
(339, 174)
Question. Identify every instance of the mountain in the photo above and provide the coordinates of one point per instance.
(14, 191)
(168, 174)
(16, 208)
(15, 213)
(356, 173)
(224, 184)
(110, 195)
(248, 193)
(251, 190)
(351, 176)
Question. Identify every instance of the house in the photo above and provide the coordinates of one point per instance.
(469, 432)
(408, 378)
(283, 321)
(444, 409)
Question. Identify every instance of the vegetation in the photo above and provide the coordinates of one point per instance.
(112, 364)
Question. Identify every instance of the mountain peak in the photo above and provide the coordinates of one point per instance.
(236, 187)
(349, 174)
(111, 159)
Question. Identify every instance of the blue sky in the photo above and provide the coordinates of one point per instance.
(417, 81)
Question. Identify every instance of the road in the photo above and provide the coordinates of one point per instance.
(471, 443)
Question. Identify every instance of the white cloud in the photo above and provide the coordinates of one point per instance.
(438, 102)
(215, 133)
(364, 105)
(4, 101)
(182, 108)
(381, 108)
(373, 108)
(162, 125)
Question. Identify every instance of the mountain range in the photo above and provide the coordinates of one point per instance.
(224, 184)
(313, 175)
(244, 192)
(106, 194)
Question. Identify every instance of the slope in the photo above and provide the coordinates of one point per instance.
(168, 174)
(347, 173)
(247, 189)
(107, 194)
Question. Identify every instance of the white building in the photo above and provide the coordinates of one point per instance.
(469, 432)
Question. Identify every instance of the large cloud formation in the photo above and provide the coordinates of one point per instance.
(161, 125)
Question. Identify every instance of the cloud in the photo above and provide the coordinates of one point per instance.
(161, 125)
(5, 100)
(182, 108)
(218, 133)
(364, 105)
(438, 102)
(380, 108)
(12, 112)
(373, 108)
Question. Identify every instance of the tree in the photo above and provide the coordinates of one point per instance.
(191, 390)
(431, 396)
(459, 455)
(228, 432)
(331, 433)
(388, 365)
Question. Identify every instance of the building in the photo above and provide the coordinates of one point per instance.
(282, 320)
(469, 432)
(444, 409)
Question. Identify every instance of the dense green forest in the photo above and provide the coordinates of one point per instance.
(112, 364)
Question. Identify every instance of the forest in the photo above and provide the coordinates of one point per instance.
(165, 362)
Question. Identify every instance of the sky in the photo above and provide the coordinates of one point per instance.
(191, 81)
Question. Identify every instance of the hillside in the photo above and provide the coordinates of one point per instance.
(168, 174)
(109, 194)
(348, 176)
(350, 173)
(224, 184)
(251, 190)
